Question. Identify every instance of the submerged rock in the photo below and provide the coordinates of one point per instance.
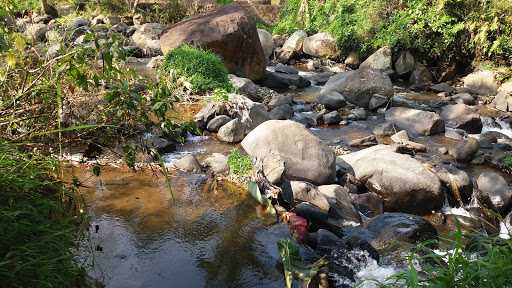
(404, 183)
(305, 156)
(393, 228)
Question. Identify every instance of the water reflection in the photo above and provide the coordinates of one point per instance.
(204, 239)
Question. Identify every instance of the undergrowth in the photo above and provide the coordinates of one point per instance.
(447, 30)
(469, 261)
(40, 223)
(201, 70)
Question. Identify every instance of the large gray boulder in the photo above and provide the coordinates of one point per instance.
(416, 122)
(358, 86)
(461, 116)
(403, 182)
(494, 192)
(306, 158)
(380, 60)
(321, 45)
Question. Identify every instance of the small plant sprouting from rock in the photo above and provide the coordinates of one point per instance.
(239, 164)
(199, 69)
(219, 96)
(507, 162)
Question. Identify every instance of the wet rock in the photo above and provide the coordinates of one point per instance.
(332, 117)
(393, 228)
(370, 140)
(321, 45)
(317, 78)
(465, 150)
(281, 68)
(217, 162)
(442, 87)
(316, 216)
(380, 60)
(228, 32)
(461, 116)
(359, 86)
(147, 37)
(458, 182)
(159, 144)
(292, 46)
(277, 80)
(342, 211)
(282, 112)
(403, 182)
(405, 63)
(421, 76)
(216, 123)
(305, 156)
(232, 132)
(377, 101)
(369, 204)
(494, 192)
(400, 137)
(481, 83)
(267, 43)
(464, 98)
(188, 163)
(417, 122)
(489, 138)
(332, 100)
(384, 129)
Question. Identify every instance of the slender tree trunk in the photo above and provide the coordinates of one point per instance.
(45, 7)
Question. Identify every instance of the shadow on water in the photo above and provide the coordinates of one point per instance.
(206, 238)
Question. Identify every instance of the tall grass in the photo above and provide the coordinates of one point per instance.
(39, 223)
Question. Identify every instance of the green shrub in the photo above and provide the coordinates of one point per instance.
(239, 164)
(39, 223)
(438, 29)
(483, 262)
(204, 70)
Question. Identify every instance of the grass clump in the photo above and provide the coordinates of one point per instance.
(39, 224)
(239, 164)
(473, 261)
(507, 162)
(202, 69)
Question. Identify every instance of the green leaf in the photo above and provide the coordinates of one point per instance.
(294, 265)
(255, 192)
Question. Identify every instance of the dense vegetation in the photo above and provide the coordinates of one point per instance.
(40, 222)
(448, 30)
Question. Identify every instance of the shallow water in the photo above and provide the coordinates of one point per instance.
(207, 237)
